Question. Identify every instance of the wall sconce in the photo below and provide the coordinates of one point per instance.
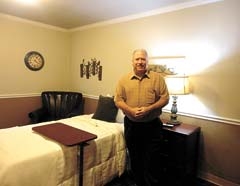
(177, 85)
(91, 68)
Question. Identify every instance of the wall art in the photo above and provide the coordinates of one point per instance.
(91, 68)
(167, 65)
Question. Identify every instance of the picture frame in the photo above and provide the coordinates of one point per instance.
(168, 65)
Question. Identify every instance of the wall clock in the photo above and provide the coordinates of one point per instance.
(34, 60)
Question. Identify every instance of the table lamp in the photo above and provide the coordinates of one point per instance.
(177, 85)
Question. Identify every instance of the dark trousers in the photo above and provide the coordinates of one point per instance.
(143, 140)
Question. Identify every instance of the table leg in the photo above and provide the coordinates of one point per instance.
(80, 160)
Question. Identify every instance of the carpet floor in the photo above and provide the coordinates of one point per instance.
(125, 180)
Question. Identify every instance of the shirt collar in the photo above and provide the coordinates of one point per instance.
(133, 76)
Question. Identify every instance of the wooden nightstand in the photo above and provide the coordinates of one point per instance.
(179, 155)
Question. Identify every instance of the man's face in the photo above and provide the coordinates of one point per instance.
(139, 62)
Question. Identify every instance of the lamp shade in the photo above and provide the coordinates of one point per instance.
(177, 85)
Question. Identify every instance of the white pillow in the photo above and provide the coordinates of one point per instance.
(120, 116)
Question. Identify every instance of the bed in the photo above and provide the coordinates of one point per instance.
(30, 159)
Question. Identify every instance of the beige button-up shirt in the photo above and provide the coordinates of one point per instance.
(139, 92)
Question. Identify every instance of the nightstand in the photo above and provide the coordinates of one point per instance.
(179, 155)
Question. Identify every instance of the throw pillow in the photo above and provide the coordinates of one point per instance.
(106, 109)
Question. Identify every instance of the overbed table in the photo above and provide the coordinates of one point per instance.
(68, 136)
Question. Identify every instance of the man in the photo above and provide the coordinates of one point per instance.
(141, 95)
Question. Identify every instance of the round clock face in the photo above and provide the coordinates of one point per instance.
(34, 60)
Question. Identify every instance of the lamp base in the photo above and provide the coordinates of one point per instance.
(173, 120)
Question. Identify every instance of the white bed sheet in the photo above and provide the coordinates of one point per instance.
(29, 159)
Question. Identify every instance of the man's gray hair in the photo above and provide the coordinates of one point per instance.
(140, 50)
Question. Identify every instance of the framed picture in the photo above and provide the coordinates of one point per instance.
(168, 65)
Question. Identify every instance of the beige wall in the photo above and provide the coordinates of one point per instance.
(17, 38)
(20, 87)
(207, 35)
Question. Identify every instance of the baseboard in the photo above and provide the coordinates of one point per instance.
(216, 180)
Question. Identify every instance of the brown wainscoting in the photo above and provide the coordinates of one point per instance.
(90, 105)
(14, 111)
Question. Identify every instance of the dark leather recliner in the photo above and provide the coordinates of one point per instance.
(58, 105)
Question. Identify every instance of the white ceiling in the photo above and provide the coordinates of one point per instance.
(69, 14)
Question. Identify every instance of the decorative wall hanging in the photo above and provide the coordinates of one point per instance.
(91, 68)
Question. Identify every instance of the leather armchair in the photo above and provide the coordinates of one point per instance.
(58, 105)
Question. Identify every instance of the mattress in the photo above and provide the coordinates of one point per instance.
(30, 159)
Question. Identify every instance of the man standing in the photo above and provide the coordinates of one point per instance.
(141, 95)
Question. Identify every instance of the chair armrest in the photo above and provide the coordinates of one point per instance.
(38, 115)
